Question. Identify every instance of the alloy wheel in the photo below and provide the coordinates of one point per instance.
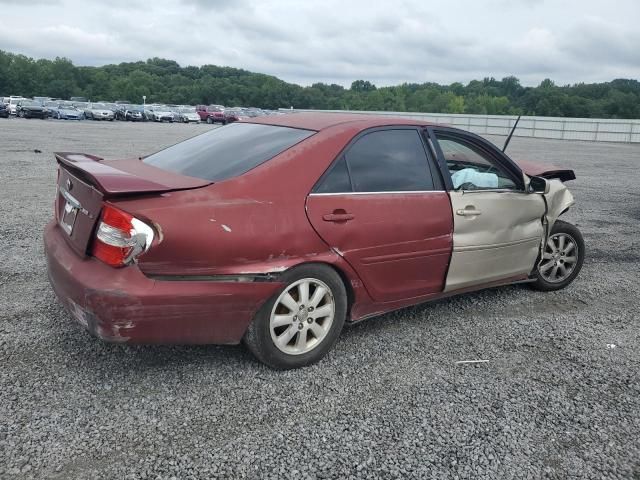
(559, 259)
(302, 316)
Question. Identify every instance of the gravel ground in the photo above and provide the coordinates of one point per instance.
(559, 397)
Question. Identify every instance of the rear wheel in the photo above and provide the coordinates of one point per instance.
(300, 324)
(562, 258)
(209, 121)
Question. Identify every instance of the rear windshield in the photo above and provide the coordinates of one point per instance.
(228, 151)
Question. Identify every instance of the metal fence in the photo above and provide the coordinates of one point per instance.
(590, 129)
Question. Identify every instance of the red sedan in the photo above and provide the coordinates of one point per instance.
(278, 230)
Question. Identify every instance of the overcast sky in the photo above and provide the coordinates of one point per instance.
(338, 41)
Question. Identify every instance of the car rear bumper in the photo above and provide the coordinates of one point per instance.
(124, 305)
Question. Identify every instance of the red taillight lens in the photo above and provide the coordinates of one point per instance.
(120, 237)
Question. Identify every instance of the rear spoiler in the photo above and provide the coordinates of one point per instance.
(121, 177)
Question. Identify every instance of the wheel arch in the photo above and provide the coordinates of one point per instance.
(344, 276)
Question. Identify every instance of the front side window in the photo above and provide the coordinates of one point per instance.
(228, 151)
(471, 168)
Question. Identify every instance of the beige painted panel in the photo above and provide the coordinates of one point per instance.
(497, 234)
(559, 198)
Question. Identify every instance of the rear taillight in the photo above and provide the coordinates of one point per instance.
(120, 237)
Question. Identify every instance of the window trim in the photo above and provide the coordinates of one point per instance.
(436, 176)
(486, 147)
(395, 192)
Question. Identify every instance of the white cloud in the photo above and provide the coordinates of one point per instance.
(339, 41)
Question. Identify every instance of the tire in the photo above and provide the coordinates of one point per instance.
(209, 121)
(295, 353)
(21, 114)
(565, 239)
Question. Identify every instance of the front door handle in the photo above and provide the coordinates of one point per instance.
(469, 211)
(338, 216)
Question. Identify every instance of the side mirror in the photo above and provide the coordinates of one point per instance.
(538, 185)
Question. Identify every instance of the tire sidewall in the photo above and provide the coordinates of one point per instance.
(258, 336)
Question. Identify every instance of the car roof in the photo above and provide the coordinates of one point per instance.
(321, 120)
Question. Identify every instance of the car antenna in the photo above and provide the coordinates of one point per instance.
(506, 144)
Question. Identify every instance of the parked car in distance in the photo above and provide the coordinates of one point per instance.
(31, 109)
(187, 115)
(134, 113)
(66, 111)
(13, 104)
(161, 113)
(99, 111)
(377, 214)
(4, 110)
(211, 113)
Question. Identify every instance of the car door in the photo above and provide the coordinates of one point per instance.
(382, 207)
(498, 225)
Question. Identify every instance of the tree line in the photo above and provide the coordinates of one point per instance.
(165, 81)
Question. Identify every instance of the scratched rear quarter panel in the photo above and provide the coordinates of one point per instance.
(253, 223)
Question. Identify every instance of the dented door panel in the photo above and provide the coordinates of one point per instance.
(398, 243)
(496, 235)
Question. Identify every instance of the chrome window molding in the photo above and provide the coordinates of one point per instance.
(400, 192)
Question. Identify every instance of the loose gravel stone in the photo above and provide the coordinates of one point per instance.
(553, 400)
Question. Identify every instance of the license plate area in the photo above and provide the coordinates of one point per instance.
(68, 217)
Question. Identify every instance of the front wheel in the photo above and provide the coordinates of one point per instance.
(299, 324)
(562, 258)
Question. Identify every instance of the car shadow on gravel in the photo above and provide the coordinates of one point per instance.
(80, 348)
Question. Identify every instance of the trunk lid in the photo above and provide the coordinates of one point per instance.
(85, 181)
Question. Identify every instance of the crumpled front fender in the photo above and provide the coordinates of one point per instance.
(559, 199)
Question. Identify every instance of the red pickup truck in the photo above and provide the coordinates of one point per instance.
(211, 113)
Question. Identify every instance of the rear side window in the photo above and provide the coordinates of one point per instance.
(228, 151)
(381, 161)
(336, 180)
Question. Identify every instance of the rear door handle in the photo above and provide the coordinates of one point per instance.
(338, 217)
(468, 212)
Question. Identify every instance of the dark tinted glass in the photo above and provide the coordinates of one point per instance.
(336, 180)
(227, 151)
(389, 161)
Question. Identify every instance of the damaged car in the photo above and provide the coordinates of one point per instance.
(31, 109)
(276, 231)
